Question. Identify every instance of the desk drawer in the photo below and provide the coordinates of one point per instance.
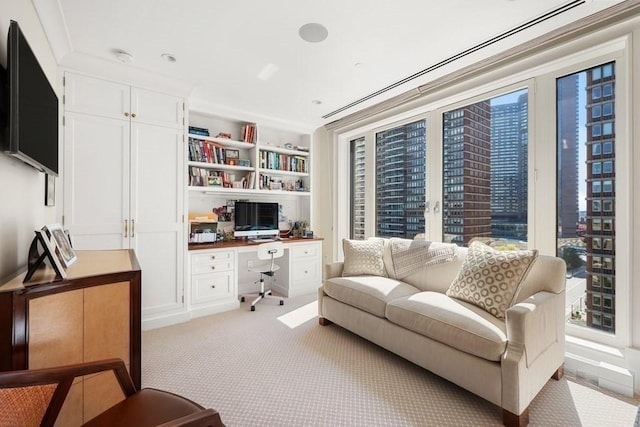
(306, 271)
(208, 257)
(212, 286)
(303, 251)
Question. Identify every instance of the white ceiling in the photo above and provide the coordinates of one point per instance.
(222, 46)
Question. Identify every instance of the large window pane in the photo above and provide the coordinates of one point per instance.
(400, 180)
(358, 189)
(586, 201)
(485, 170)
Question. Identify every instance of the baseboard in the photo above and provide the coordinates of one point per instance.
(214, 308)
(608, 370)
(166, 320)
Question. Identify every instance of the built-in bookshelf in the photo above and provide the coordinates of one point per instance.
(234, 156)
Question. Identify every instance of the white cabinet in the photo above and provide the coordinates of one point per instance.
(213, 279)
(123, 180)
(305, 268)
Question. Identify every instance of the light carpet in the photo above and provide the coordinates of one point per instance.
(277, 367)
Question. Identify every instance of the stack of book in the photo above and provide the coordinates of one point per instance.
(198, 131)
(283, 162)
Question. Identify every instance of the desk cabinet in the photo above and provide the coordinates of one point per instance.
(213, 280)
(215, 272)
(305, 268)
(94, 314)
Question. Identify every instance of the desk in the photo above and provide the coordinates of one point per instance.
(219, 272)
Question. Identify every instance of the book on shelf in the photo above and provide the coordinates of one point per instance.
(248, 133)
(206, 151)
(283, 162)
(198, 131)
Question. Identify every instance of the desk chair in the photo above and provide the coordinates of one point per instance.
(35, 397)
(266, 252)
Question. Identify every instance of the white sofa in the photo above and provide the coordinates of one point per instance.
(506, 362)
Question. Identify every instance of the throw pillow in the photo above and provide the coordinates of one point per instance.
(363, 257)
(490, 278)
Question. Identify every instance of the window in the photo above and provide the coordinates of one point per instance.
(398, 157)
(581, 187)
(485, 169)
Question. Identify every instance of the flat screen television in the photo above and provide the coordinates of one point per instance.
(256, 219)
(31, 130)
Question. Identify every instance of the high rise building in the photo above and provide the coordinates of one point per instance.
(568, 139)
(601, 177)
(467, 173)
(358, 194)
(509, 146)
(400, 180)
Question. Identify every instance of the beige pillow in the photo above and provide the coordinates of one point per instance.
(490, 278)
(363, 257)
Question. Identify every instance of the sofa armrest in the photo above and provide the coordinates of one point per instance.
(535, 348)
(536, 323)
(333, 269)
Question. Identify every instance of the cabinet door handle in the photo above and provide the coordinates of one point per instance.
(126, 228)
(133, 115)
(126, 114)
(213, 267)
(213, 257)
(133, 228)
(213, 286)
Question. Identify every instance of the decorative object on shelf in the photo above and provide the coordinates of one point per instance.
(244, 163)
(307, 234)
(63, 248)
(36, 258)
(49, 190)
(225, 135)
(275, 186)
(288, 146)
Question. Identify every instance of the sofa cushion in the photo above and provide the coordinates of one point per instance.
(452, 322)
(363, 257)
(368, 293)
(490, 278)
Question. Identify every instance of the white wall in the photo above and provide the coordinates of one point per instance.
(22, 207)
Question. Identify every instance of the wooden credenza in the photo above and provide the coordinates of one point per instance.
(93, 314)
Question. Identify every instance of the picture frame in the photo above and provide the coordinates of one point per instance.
(63, 248)
(231, 154)
(49, 190)
(36, 258)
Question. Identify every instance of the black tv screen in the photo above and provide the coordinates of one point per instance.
(255, 217)
(31, 132)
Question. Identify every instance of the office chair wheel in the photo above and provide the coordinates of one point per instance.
(241, 299)
(281, 302)
(253, 308)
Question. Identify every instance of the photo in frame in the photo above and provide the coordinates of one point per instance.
(36, 258)
(64, 251)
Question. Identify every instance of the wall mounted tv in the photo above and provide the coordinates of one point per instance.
(31, 130)
(256, 219)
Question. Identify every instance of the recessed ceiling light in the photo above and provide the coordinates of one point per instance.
(316, 102)
(123, 56)
(313, 33)
(358, 65)
(168, 57)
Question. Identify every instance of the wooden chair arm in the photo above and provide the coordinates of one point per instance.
(63, 376)
(204, 418)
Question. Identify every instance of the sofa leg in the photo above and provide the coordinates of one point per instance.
(512, 420)
(558, 373)
(324, 322)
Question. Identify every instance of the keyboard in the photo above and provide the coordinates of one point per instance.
(262, 240)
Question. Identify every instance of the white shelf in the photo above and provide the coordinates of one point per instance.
(225, 142)
(281, 150)
(279, 172)
(221, 166)
(215, 189)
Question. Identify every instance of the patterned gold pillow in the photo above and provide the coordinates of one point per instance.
(363, 258)
(490, 278)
